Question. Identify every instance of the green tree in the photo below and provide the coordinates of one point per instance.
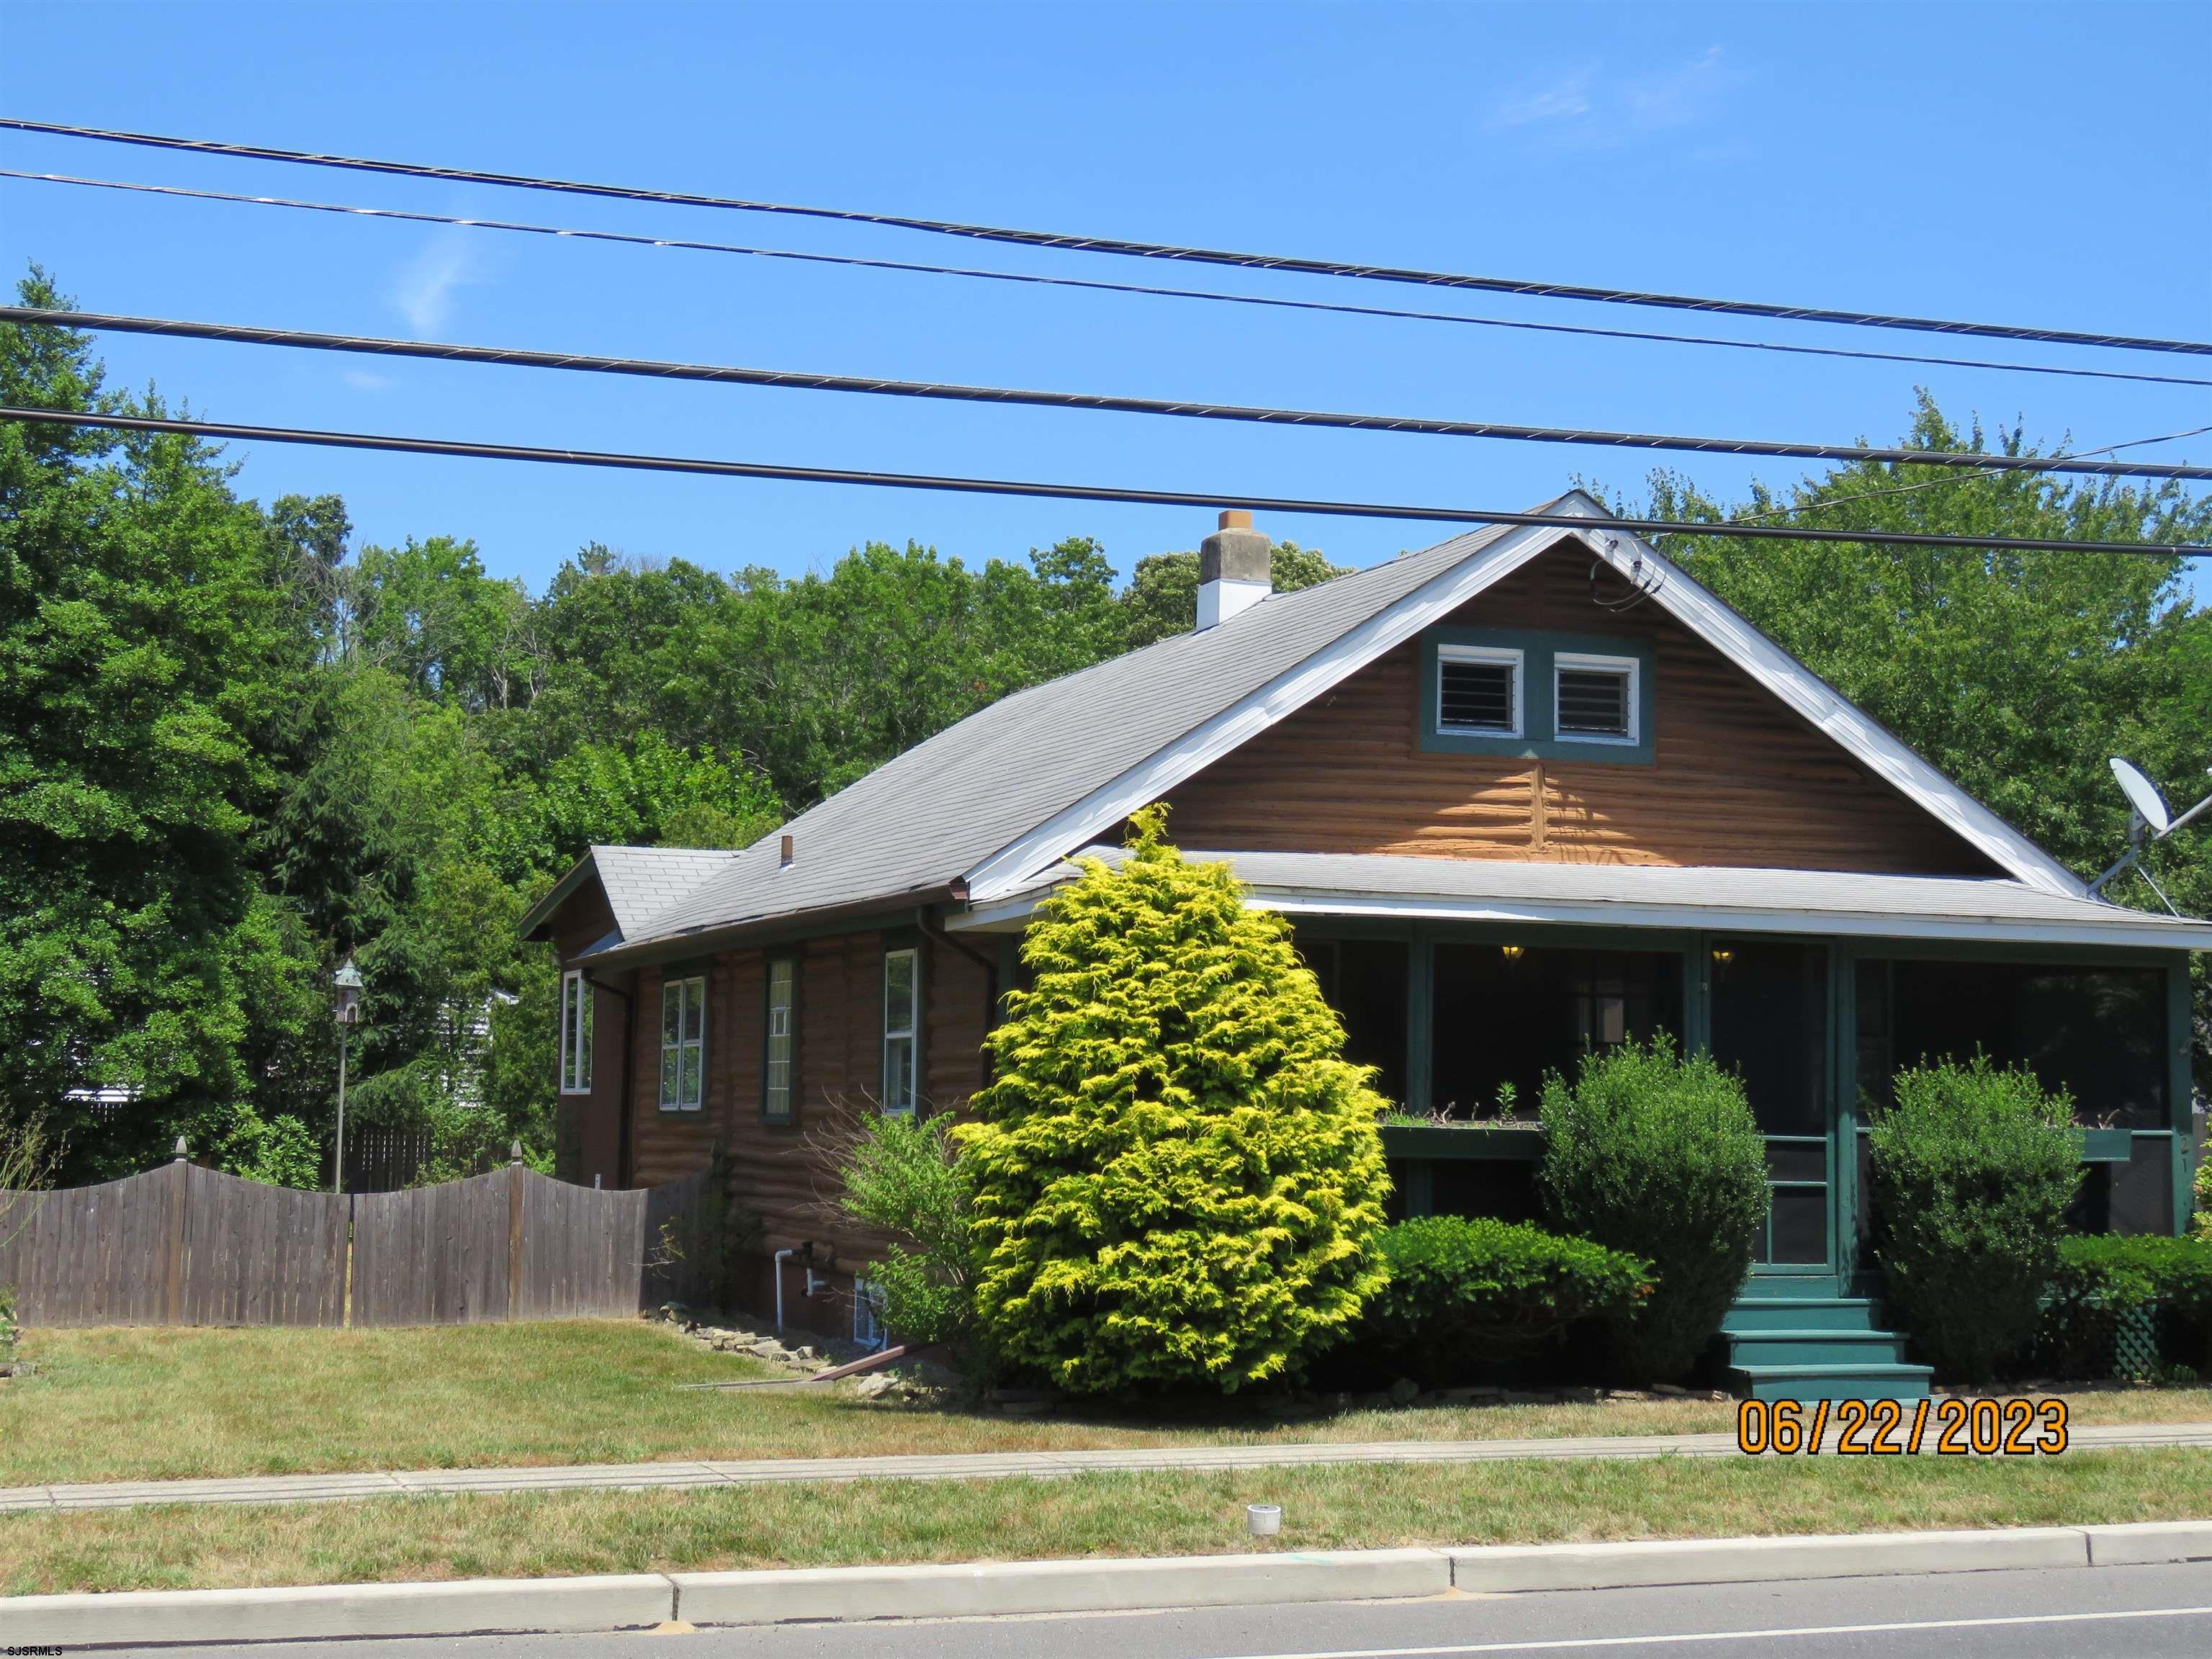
(1176, 1175)
(2018, 674)
(146, 654)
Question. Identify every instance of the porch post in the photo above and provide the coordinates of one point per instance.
(1420, 1017)
(1697, 996)
(2181, 1090)
(1843, 1114)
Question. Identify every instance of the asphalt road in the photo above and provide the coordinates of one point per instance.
(2107, 1612)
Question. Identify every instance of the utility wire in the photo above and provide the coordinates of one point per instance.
(513, 356)
(1131, 249)
(394, 443)
(1093, 285)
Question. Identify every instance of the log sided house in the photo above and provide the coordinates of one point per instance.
(1525, 791)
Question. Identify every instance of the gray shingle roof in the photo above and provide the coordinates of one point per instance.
(1667, 896)
(644, 882)
(919, 821)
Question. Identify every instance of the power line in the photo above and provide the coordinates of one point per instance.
(1128, 248)
(851, 261)
(394, 443)
(651, 368)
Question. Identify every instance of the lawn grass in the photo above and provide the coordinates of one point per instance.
(179, 1546)
(110, 1405)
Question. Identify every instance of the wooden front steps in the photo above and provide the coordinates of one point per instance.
(1802, 1344)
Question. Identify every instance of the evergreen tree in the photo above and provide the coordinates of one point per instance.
(1177, 1178)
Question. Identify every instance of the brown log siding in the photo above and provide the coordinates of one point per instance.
(1737, 778)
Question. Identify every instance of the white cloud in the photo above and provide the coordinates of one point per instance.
(1591, 110)
(1564, 100)
(424, 292)
(1680, 97)
(362, 380)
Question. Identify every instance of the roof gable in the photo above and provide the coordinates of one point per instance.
(981, 807)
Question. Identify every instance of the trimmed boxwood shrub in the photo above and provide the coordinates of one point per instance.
(1176, 1176)
(1974, 1169)
(2106, 1291)
(1468, 1298)
(1658, 1155)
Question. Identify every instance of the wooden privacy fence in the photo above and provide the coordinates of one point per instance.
(181, 1245)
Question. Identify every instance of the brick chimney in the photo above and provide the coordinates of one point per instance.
(1236, 569)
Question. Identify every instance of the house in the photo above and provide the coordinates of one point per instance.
(1524, 791)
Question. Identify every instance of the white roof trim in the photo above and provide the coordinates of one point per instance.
(2147, 933)
(1862, 737)
(1016, 864)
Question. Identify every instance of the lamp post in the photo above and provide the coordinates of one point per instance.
(347, 1010)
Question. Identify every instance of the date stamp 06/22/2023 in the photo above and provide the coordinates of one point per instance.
(1951, 1427)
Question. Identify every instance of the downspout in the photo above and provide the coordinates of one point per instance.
(629, 1061)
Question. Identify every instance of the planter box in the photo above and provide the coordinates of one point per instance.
(2106, 1146)
(1519, 1143)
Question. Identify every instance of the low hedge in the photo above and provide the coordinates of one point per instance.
(1468, 1298)
(2127, 1307)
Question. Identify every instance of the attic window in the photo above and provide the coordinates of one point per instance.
(1479, 690)
(1594, 698)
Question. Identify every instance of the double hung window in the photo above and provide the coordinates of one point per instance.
(575, 1033)
(682, 1044)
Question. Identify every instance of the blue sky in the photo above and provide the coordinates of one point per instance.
(2034, 164)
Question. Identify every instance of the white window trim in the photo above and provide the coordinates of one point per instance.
(681, 1043)
(868, 1330)
(1629, 668)
(577, 1007)
(1495, 655)
(911, 1031)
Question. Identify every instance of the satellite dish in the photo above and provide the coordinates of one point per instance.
(2143, 795)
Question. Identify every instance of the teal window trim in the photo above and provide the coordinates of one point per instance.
(1536, 697)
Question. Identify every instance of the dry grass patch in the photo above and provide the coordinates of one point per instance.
(113, 1404)
(390, 1538)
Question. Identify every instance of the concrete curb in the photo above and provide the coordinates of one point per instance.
(187, 1618)
(467, 1607)
(1093, 1586)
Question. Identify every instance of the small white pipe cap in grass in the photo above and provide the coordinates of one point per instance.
(1263, 1520)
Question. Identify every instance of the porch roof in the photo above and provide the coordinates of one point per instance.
(1500, 890)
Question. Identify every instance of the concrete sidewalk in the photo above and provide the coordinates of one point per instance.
(979, 1466)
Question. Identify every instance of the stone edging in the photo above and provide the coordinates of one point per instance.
(641, 1601)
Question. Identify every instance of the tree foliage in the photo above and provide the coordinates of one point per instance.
(1176, 1175)
(1657, 1154)
(1973, 1170)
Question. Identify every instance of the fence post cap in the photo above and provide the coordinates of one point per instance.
(515, 1152)
(182, 1154)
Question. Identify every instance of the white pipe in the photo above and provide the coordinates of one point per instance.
(782, 1256)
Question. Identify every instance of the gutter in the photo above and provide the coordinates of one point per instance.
(771, 929)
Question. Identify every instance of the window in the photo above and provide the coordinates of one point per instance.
(682, 1045)
(1594, 698)
(902, 986)
(575, 1033)
(1479, 689)
(867, 1315)
(780, 1042)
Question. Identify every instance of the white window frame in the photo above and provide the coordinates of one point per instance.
(577, 1000)
(896, 1102)
(690, 994)
(868, 1330)
(1629, 668)
(1495, 655)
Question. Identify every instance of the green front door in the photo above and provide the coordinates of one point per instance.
(1769, 1022)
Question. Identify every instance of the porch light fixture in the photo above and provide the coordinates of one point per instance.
(1511, 952)
(1721, 960)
